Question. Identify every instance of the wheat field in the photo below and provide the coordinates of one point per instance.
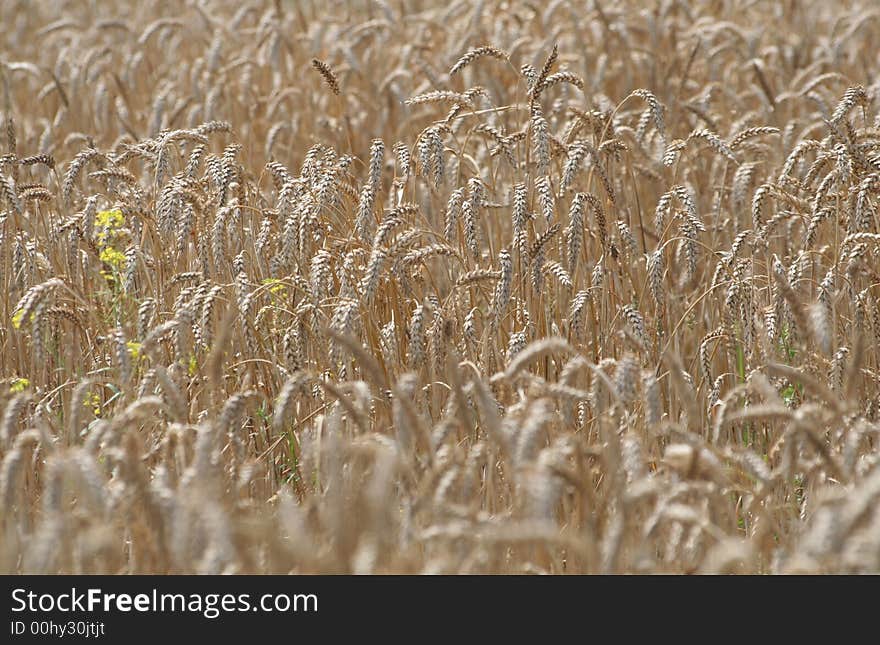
(422, 287)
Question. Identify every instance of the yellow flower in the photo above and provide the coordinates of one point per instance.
(111, 219)
(110, 224)
(19, 385)
(134, 349)
(17, 318)
(93, 401)
(113, 257)
(277, 286)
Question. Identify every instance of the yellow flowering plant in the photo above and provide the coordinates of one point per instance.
(110, 230)
(19, 385)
